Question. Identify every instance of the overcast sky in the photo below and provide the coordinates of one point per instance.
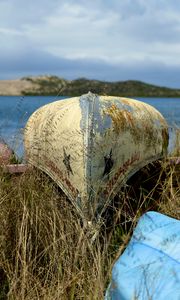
(101, 39)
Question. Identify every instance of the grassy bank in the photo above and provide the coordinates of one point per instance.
(45, 251)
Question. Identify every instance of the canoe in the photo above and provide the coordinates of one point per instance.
(90, 145)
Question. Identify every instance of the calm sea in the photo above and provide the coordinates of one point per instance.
(15, 111)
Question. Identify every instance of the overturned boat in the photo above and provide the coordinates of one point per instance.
(90, 145)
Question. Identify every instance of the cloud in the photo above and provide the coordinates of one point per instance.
(31, 63)
(95, 38)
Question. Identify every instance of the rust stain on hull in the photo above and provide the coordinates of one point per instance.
(90, 144)
(121, 118)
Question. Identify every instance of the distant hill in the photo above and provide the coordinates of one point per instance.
(53, 85)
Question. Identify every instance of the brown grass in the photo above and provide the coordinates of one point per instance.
(45, 251)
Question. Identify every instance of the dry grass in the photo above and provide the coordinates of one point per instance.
(45, 251)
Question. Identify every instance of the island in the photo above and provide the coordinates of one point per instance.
(54, 85)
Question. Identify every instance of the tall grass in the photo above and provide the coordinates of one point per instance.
(46, 253)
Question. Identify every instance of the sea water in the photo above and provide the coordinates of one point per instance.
(15, 111)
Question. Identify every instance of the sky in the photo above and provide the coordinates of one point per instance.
(111, 40)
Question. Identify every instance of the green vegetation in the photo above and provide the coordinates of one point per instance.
(47, 85)
(46, 252)
(53, 85)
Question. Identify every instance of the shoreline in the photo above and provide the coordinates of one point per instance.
(53, 86)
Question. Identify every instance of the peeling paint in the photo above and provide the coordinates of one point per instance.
(90, 144)
(121, 118)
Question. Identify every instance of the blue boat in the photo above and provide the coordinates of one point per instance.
(149, 268)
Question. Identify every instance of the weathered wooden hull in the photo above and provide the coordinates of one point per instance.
(90, 145)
